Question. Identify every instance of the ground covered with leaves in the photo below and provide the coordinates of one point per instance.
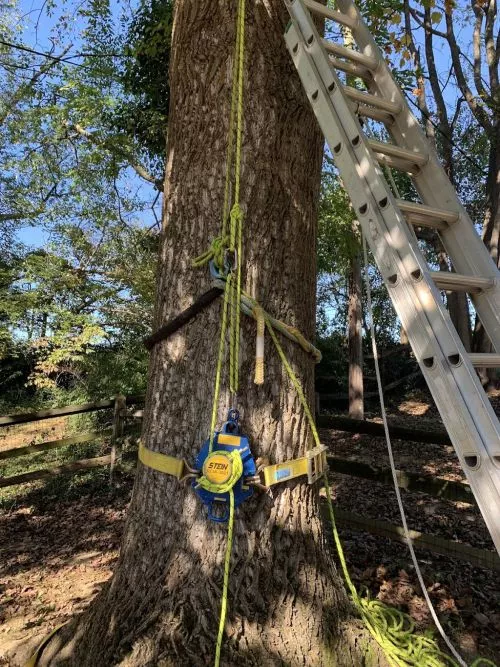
(59, 541)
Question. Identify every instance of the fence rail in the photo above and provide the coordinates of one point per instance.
(434, 486)
(25, 417)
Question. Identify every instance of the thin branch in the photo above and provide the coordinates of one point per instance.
(456, 115)
(25, 88)
(419, 18)
(158, 222)
(112, 147)
(477, 110)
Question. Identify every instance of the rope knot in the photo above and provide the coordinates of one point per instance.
(216, 253)
(236, 214)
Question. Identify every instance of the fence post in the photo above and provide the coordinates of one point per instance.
(119, 413)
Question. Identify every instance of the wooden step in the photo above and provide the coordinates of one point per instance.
(371, 100)
(485, 360)
(456, 282)
(331, 14)
(426, 216)
(350, 54)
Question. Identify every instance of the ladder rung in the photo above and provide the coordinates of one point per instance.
(328, 13)
(350, 54)
(427, 216)
(351, 68)
(399, 153)
(485, 360)
(371, 100)
(455, 282)
(395, 163)
(370, 112)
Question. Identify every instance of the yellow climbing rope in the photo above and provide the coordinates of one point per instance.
(226, 254)
(393, 630)
(225, 585)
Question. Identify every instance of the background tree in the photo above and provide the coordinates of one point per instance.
(457, 103)
(77, 166)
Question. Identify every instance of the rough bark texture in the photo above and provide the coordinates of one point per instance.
(356, 405)
(287, 602)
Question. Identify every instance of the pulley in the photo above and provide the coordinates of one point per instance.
(225, 466)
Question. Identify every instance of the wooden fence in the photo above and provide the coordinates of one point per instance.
(122, 417)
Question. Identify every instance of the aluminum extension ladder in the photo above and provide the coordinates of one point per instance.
(386, 222)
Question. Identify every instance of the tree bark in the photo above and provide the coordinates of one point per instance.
(287, 604)
(356, 403)
(491, 228)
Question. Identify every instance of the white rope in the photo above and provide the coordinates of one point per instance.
(442, 632)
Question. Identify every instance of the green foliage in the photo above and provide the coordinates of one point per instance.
(336, 242)
(143, 113)
(77, 309)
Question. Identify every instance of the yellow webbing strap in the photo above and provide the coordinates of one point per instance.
(161, 462)
(282, 472)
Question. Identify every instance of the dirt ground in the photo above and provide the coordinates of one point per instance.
(58, 545)
(20, 435)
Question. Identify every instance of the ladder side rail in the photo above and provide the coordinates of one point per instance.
(444, 385)
(413, 263)
(461, 241)
(422, 293)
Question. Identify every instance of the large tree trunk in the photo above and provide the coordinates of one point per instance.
(287, 604)
(355, 340)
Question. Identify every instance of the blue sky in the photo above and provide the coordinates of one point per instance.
(33, 236)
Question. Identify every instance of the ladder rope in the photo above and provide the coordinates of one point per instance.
(409, 542)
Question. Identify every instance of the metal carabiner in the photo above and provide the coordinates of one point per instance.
(192, 473)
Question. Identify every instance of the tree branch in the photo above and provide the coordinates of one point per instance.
(419, 18)
(422, 98)
(492, 54)
(444, 123)
(108, 144)
(19, 94)
(477, 110)
(476, 50)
